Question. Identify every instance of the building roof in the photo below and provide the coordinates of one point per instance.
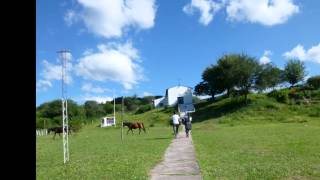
(179, 86)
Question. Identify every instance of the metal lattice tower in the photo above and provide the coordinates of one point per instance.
(65, 124)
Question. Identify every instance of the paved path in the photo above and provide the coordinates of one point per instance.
(179, 161)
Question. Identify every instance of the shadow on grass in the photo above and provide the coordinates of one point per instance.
(216, 109)
(158, 138)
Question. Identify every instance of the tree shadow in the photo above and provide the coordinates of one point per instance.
(210, 109)
(158, 138)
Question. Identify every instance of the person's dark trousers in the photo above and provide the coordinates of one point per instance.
(175, 129)
(187, 132)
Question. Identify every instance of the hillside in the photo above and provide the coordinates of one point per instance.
(265, 139)
(260, 109)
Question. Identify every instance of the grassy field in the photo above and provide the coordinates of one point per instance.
(99, 153)
(269, 151)
(264, 140)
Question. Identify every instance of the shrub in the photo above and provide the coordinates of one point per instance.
(143, 109)
(280, 96)
(315, 94)
(314, 82)
(76, 125)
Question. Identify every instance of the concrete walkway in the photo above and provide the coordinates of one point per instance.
(179, 161)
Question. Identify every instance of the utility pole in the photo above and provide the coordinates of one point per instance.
(65, 124)
(122, 119)
(114, 110)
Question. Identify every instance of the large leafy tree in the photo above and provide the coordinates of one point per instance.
(246, 73)
(201, 89)
(108, 107)
(294, 71)
(233, 71)
(213, 78)
(91, 108)
(268, 77)
(228, 68)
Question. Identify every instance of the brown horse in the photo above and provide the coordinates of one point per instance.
(134, 125)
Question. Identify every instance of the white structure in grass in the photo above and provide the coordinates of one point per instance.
(181, 95)
(109, 121)
(42, 132)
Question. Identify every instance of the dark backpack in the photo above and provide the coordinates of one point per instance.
(183, 121)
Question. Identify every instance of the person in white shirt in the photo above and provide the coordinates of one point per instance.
(175, 123)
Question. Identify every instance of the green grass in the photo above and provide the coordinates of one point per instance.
(99, 153)
(263, 140)
(268, 151)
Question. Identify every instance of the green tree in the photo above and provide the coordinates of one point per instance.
(108, 107)
(91, 108)
(314, 82)
(202, 88)
(213, 76)
(50, 109)
(246, 73)
(268, 77)
(131, 103)
(228, 67)
(294, 71)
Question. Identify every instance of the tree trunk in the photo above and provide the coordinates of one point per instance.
(213, 92)
(246, 92)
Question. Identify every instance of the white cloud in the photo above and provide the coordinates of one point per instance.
(113, 62)
(54, 72)
(109, 18)
(147, 94)
(87, 52)
(43, 85)
(265, 12)
(70, 17)
(207, 9)
(312, 54)
(265, 57)
(88, 87)
(99, 99)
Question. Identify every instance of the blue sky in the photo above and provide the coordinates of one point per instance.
(142, 47)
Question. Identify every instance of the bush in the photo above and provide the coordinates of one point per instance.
(315, 94)
(76, 125)
(143, 109)
(314, 82)
(280, 96)
(41, 121)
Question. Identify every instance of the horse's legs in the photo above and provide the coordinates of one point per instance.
(132, 131)
(54, 135)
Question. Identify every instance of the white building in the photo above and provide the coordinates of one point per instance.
(177, 94)
(108, 121)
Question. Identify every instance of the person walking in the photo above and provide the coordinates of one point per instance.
(175, 124)
(187, 124)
